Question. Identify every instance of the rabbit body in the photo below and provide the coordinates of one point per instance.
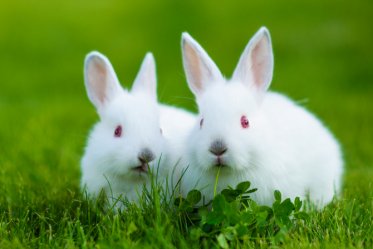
(249, 134)
(287, 149)
(133, 134)
(108, 163)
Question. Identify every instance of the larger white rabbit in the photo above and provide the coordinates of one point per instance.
(254, 135)
(128, 138)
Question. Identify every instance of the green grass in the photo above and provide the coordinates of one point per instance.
(323, 55)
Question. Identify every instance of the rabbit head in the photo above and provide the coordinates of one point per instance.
(128, 137)
(227, 129)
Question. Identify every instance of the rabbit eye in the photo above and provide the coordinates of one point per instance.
(118, 131)
(201, 123)
(244, 122)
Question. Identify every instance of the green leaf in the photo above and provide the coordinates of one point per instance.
(277, 195)
(280, 235)
(230, 233)
(219, 203)
(287, 206)
(194, 196)
(234, 216)
(229, 194)
(283, 211)
(207, 228)
(222, 241)
(232, 213)
(183, 204)
(243, 186)
(214, 218)
(261, 218)
(242, 231)
(297, 204)
(178, 201)
(203, 212)
(247, 217)
(195, 234)
(251, 191)
(302, 216)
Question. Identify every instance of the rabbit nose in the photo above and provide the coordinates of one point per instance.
(146, 156)
(218, 148)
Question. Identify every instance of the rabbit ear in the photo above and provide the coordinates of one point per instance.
(100, 80)
(199, 68)
(146, 80)
(255, 67)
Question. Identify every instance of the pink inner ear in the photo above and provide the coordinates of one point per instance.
(97, 76)
(194, 66)
(260, 63)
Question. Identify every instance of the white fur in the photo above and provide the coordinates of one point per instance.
(108, 160)
(285, 147)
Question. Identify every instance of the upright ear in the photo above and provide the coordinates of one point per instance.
(146, 80)
(255, 67)
(100, 80)
(200, 70)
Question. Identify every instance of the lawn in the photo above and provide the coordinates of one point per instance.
(323, 58)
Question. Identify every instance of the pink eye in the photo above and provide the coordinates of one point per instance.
(201, 123)
(244, 122)
(118, 131)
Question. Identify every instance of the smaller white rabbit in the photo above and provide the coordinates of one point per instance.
(128, 138)
(254, 135)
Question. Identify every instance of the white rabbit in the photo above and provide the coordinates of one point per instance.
(254, 135)
(128, 138)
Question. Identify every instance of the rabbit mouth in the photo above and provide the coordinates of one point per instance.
(220, 162)
(143, 168)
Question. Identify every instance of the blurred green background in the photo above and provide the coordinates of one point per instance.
(323, 58)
